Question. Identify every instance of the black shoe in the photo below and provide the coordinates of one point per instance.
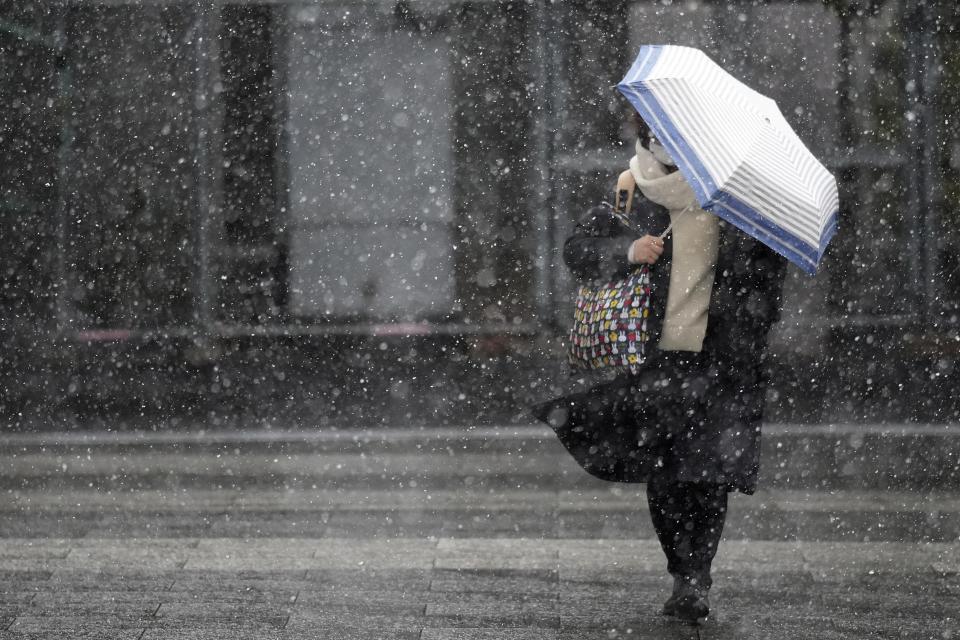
(688, 603)
(693, 607)
(670, 606)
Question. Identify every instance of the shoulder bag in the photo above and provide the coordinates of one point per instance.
(610, 318)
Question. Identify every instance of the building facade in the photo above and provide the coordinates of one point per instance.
(180, 178)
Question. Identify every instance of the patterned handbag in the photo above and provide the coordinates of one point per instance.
(610, 323)
(610, 318)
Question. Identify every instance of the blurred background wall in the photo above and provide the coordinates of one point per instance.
(331, 213)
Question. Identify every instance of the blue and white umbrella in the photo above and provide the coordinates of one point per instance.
(734, 147)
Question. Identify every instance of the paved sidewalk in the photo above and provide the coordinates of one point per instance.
(437, 537)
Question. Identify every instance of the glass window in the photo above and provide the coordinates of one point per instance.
(945, 172)
(370, 138)
(130, 167)
(30, 128)
(851, 112)
(406, 140)
(802, 69)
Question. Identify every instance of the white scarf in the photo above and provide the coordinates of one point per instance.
(667, 189)
(695, 245)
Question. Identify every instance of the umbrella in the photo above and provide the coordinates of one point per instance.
(736, 150)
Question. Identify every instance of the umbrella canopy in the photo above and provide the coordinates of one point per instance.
(740, 156)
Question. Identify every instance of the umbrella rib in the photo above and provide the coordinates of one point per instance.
(754, 194)
(699, 135)
(645, 99)
(802, 255)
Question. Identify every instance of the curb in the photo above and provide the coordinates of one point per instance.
(846, 431)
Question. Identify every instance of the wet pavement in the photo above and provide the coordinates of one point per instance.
(450, 534)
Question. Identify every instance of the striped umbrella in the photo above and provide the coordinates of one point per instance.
(734, 147)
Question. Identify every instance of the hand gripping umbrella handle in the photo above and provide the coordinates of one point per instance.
(624, 198)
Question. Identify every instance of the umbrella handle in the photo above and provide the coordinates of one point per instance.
(672, 221)
(626, 185)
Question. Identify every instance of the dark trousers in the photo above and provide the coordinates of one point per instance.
(688, 518)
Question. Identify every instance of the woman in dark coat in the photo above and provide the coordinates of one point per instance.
(688, 422)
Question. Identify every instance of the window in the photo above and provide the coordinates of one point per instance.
(371, 165)
(129, 165)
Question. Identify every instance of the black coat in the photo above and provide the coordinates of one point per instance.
(691, 417)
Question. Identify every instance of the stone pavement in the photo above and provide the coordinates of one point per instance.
(440, 535)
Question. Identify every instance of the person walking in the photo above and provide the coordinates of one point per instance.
(687, 422)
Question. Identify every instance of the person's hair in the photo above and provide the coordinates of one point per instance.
(643, 130)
